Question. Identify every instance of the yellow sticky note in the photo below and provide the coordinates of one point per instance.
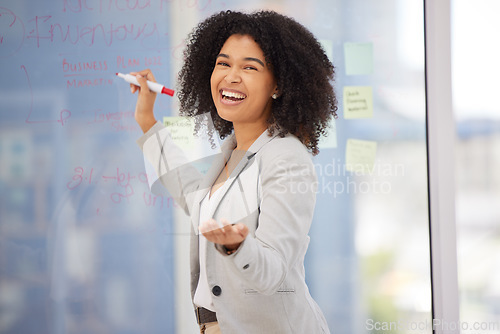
(358, 102)
(329, 141)
(181, 130)
(358, 58)
(360, 155)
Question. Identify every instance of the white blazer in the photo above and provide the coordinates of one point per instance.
(261, 287)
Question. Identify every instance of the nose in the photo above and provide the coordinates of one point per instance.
(233, 76)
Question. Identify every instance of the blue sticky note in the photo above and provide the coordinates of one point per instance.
(358, 58)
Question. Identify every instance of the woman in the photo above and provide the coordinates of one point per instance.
(265, 82)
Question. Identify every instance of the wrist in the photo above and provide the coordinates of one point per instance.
(146, 123)
(230, 249)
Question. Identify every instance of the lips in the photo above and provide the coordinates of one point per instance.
(231, 97)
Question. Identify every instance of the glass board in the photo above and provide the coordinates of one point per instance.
(85, 247)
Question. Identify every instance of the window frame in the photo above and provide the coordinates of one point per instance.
(441, 157)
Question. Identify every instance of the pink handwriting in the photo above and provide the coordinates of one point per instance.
(120, 178)
(189, 4)
(196, 4)
(64, 114)
(125, 181)
(152, 61)
(81, 83)
(77, 6)
(100, 116)
(116, 119)
(122, 62)
(79, 177)
(12, 28)
(117, 197)
(130, 62)
(45, 30)
(119, 126)
(151, 200)
(87, 66)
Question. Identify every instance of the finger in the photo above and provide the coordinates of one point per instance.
(241, 229)
(208, 226)
(143, 82)
(133, 88)
(227, 226)
(214, 236)
(224, 222)
(204, 227)
(212, 225)
(146, 74)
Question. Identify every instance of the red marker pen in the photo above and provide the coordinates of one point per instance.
(153, 86)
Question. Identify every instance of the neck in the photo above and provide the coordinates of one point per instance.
(246, 134)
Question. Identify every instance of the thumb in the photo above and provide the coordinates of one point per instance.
(242, 229)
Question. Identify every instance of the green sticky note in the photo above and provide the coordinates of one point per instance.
(360, 156)
(329, 141)
(181, 130)
(358, 58)
(327, 45)
(358, 102)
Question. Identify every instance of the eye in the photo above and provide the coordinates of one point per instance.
(222, 63)
(250, 68)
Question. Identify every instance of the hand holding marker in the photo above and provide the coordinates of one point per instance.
(153, 86)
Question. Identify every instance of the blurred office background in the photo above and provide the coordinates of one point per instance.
(475, 73)
(86, 248)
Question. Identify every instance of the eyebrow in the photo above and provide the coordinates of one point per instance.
(246, 59)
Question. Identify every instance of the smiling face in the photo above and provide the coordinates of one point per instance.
(242, 83)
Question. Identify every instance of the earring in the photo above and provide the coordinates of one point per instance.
(275, 96)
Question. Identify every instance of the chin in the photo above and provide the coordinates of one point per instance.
(225, 116)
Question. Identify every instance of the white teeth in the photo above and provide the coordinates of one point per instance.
(233, 94)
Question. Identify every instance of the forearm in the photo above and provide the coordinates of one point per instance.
(146, 122)
(144, 108)
(170, 167)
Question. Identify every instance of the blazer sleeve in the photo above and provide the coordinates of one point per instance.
(168, 166)
(289, 186)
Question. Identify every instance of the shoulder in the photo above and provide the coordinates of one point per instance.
(288, 151)
(289, 147)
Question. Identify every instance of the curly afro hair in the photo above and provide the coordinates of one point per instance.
(303, 72)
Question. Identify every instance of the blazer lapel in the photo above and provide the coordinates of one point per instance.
(254, 148)
(212, 174)
(216, 168)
